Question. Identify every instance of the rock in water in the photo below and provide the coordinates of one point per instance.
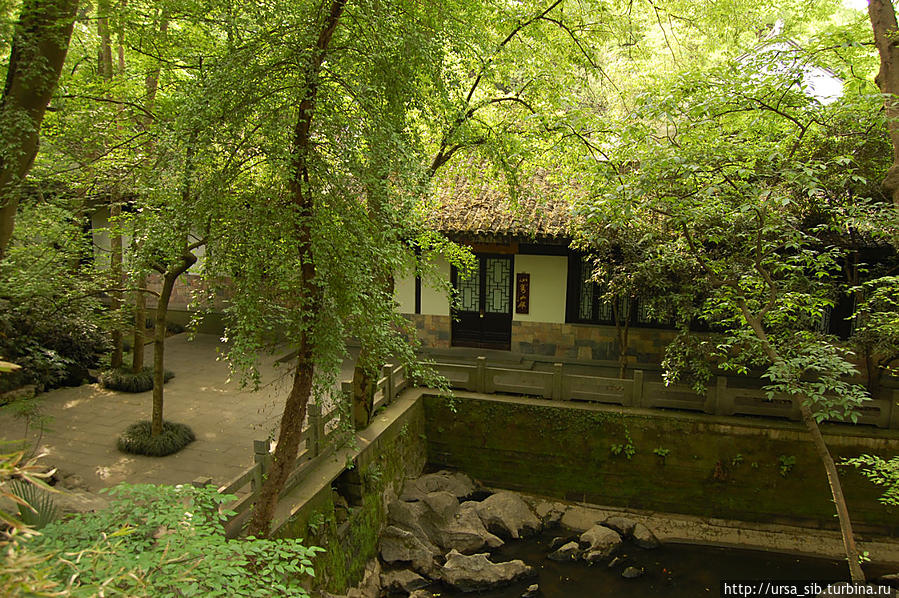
(559, 541)
(402, 580)
(457, 484)
(567, 552)
(476, 572)
(438, 519)
(644, 538)
(506, 514)
(532, 591)
(402, 546)
(602, 543)
(622, 525)
(631, 573)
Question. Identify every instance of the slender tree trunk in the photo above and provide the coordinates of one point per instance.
(622, 331)
(366, 371)
(289, 437)
(309, 293)
(39, 47)
(105, 69)
(833, 478)
(140, 327)
(116, 271)
(162, 308)
(836, 490)
(365, 375)
(886, 38)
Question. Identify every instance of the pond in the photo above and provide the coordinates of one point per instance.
(672, 571)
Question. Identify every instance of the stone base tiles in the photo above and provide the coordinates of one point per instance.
(587, 342)
(433, 331)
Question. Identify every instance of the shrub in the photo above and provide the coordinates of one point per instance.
(40, 509)
(125, 380)
(52, 321)
(138, 440)
(162, 541)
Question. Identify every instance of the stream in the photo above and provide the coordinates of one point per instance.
(672, 571)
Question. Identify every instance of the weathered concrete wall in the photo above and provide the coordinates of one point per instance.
(726, 467)
(390, 450)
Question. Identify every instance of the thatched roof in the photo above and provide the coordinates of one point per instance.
(471, 206)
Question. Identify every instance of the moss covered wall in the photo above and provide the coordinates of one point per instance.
(350, 536)
(733, 468)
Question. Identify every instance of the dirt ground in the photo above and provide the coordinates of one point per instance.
(84, 422)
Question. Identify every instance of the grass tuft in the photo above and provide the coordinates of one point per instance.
(125, 380)
(138, 441)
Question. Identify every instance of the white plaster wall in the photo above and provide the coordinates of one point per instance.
(200, 252)
(404, 293)
(549, 286)
(434, 301)
(100, 238)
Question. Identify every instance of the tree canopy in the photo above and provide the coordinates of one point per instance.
(727, 153)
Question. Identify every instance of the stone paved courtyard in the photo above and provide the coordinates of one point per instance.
(80, 437)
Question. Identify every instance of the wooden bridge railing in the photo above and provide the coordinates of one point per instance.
(319, 435)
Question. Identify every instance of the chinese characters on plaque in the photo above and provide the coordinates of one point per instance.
(522, 293)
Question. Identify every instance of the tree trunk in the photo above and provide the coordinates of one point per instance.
(886, 38)
(289, 436)
(309, 294)
(39, 47)
(833, 478)
(622, 331)
(365, 376)
(115, 266)
(836, 490)
(104, 68)
(162, 308)
(140, 327)
(366, 372)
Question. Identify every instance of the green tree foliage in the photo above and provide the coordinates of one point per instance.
(38, 49)
(876, 335)
(156, 541)
(50, 317)
(737, 175)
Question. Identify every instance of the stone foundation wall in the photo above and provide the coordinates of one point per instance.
(347, 514)
(433, 331)
(732, 468)
(587, 342)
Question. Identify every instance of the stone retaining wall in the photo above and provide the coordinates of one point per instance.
(724, 467)
(345, 509)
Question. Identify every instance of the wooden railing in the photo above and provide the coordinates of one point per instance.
(557, 384)
(722, 398)
(319, 436)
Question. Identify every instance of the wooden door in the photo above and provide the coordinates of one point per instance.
(483, 317)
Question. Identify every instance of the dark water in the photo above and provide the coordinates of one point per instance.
(672, 571)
